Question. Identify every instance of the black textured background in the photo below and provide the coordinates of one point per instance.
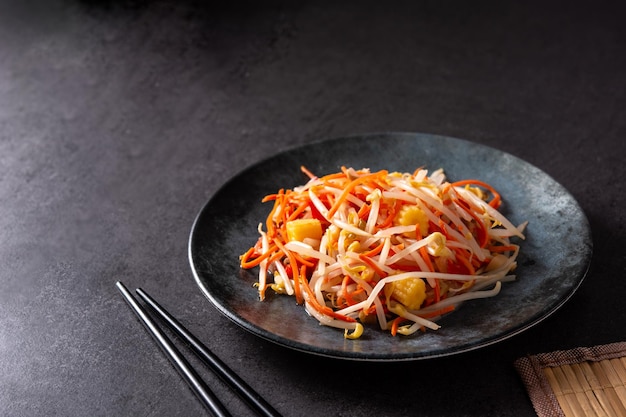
(119, 119)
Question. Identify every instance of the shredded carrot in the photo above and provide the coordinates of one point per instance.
(374, 251)
(463, 257)
(364, 211)
(370, 262)
(294, 268)
(256, 261)
(495, 201)
(307, 172)
(297, 212)
(324, 309)
(502, 248)
(348, 188)
(395, 324)
(302, 261)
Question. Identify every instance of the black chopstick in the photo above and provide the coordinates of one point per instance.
(254, 400)
(205, 394)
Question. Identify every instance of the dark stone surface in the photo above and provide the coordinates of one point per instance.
(119, 119)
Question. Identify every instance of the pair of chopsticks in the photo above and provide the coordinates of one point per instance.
(204, 393)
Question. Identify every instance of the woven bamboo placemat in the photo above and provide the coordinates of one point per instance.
(581, 382)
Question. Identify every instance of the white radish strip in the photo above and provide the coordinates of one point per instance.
(495, 214)
(263, 264)
(366, 286)
(283, 274)
(460, 210)
(352, 229)
(311, 183)
(317, 290)
(421, 175)
(480, 285)
(500, 232)
(384, 253)
(471, 242)
(403, 312)
(350, 197)
(406, 251)
(380, 315)
(407, 331)
(395, 230)
(463, 297)
(522, 227)
(353, 308)
(455, 244)
(341, 244)
(355, 256)
(398, 195)
(373, 216)
(329, 321)
(436, 203)
(438, 177)
(321, 266)
(418, 260)
(318, 204)
(369, 242)
(306, 250)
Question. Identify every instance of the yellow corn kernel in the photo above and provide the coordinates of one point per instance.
(437, 245)
(410, 292)
(412, 215)
(477, 192)
(301, 229)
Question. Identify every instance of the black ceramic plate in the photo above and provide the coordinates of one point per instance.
(553, 260)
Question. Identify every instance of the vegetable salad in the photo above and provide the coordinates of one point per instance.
(395, 250)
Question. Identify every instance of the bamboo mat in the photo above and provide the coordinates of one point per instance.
(581, 382)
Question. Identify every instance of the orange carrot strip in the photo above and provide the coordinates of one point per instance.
(424, 252)
(275, 257)
(307, 172)
(437, 291)
(426, 256)
(349, 187)
(483, 236)
(303, 261)
(327, 179)
(350, 296)
(502, 248)
(246, 264)
(303, 278)
(462, 256)
(271, 230)
(374, 251)
(395, 324)
(296, 278)
(324, 309)
(283, 210)
(391, 215)
(436, 313)
(364, 211)
(294, 269)
(303, 206)
(370, 262)
(495, 201)
(344, 290)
